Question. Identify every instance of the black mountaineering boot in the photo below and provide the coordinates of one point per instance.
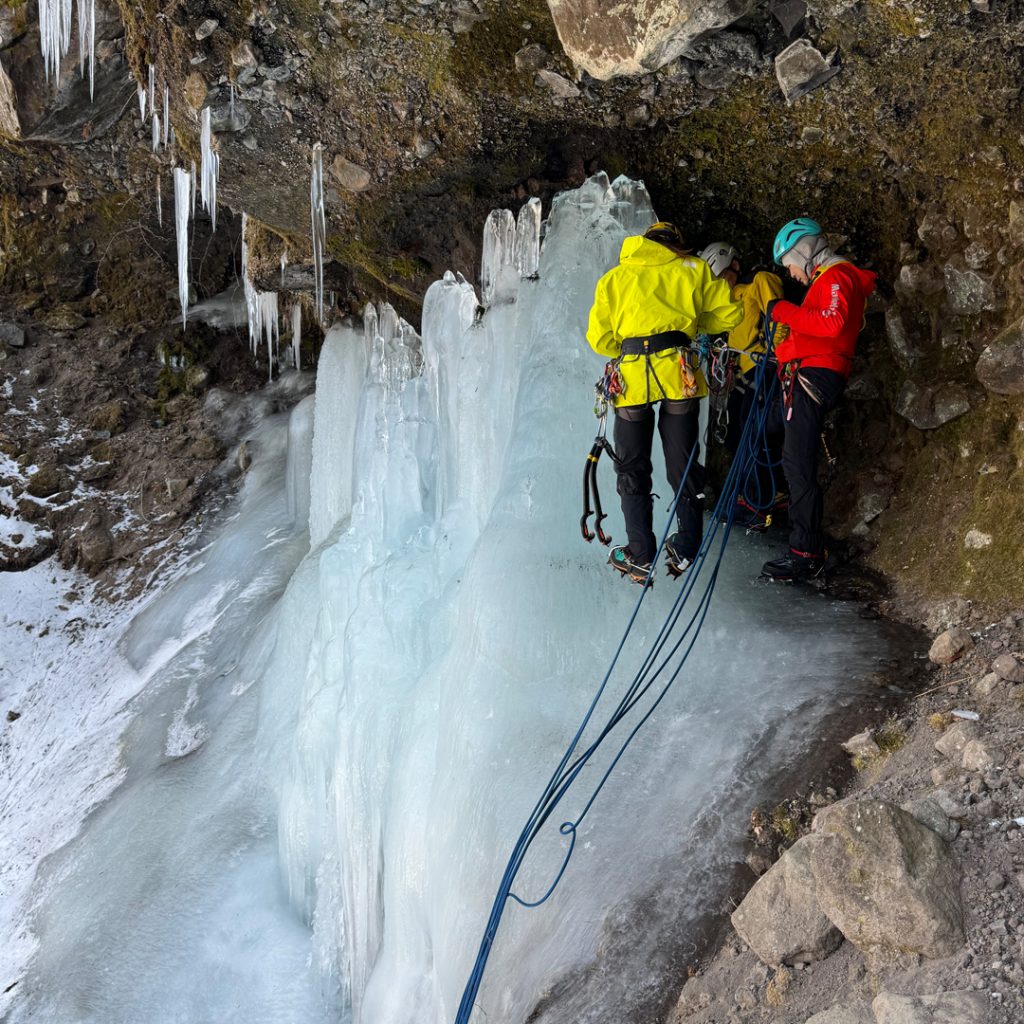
(623, 561)
(794, 566)
(675, 561)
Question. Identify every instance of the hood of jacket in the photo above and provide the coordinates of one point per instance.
(645, 252)
(862, 280)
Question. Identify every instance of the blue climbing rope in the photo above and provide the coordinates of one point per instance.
(656, 670)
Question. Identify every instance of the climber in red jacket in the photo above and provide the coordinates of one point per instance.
(814, 362)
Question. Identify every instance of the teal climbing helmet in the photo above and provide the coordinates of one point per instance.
(791, 233)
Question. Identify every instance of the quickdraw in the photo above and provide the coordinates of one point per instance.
(606, 388)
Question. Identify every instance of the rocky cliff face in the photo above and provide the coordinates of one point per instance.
(897, 126)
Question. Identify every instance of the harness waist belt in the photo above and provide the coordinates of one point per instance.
(648, 344)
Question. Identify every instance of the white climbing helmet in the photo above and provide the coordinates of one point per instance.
(718, 256)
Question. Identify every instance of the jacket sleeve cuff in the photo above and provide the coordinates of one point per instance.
(782, 310)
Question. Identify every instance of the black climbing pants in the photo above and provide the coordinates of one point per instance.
(678, 424)
(800, 455)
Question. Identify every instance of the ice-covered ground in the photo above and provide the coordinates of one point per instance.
(334, 744)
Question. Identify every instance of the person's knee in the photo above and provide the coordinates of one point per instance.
(633, 481)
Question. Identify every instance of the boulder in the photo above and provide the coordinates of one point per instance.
(899, 342)
(10, 124)
(862, 745)
(888, 882)
(1000, 368)
(729, 51)
(980, 755)
(790, 15)
(929, 407)
(920, 279)
(348, 175)
(928, 811)
(12, 334)
(1008, 667)
(95, 546)
(206, 28)
(937, 230)
(939, 1008)
(859, 1013)
(780, 918)
(608, 38)
(44, 482)
(531, 58)
(950, 645)
(952, 742)
(986, 685)
(801, 68)
(970, 291)
(561, 88)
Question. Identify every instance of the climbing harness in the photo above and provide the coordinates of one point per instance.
(662, 663)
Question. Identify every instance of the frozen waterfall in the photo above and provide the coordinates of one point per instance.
(356, 693)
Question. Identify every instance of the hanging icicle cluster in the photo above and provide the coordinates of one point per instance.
(261, 309)
(210, 168)
(319, 224)
(55, 36)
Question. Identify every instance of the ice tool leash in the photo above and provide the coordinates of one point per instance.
(663, 662)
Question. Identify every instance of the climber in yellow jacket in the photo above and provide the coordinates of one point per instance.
(646, 312)
(755, 291)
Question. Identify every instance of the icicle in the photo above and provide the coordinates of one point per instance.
(182, 188)
(87, 41)
(498, 280)
(209, 170)
(261, 309)
(167, 112)
(142, 103)
(297, 335)
(55, 33)
(284, 263)
(316, 205)
(152, 87)
(527, 247)
(156, 131)
(159, 202)
(193, 190)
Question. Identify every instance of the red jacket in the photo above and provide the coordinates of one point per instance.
(823, 329)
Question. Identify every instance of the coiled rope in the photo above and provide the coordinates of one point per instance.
(656, 669)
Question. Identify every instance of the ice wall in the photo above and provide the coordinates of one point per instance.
(454, 633)
(323, 780)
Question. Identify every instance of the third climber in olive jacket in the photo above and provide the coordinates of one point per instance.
(646, 312)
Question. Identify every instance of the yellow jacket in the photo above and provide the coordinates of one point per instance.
(754, 296)
(651, 291)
